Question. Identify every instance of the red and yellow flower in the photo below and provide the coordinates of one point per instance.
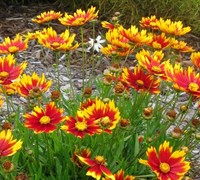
(149, 22)
(140, 80)
(8, 71)
(170, 27)
(86, 153)
(63, 42)
(33, 86)
(160, 41)
(118, 44)
(97, 167)
(134, 36)
(13, 45)
(195, 58)
(165, 163)
(44, 119)
(8, 145)
(10, 88)
(79, 18)
(106, 114)
(180, 45)
(152, 62)
(186, 80)
(109, 26)
(119, 175)
(80, 126)
(47, 16)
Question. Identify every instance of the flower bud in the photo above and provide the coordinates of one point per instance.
(87, 92)
(6, 126)
(22, 176)
(197, 136)
(107, 79)
(8, 166)
(177, 132)
(171, 115)
(119, 88)
(140, 138)
(183, 108)
(147, 113)
(195, 122)
(124, 123)
(55, 95)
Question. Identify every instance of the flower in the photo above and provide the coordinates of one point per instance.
(160, 41)
(79, 18)
(106, 114)
(141, 81)
(96, 43)
(165, 163)
(63, 42)
(149, 22)
(134, 36)
(195, 58)
(180, 45)
(109, 26)
(86, 153)
(44, 119)
(10, 88)
(152, 62)
(97, 167)
(9, 146)
(80, 125)
(47, 16)
(170, 27)
(13, 45)
(186, 80)
(8, 70)
(119, 175)
(33, 86)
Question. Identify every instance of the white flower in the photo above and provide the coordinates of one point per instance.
(96, 43)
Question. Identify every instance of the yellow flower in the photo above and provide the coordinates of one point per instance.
(170, 27)
(79, 18)
(63, 42)
(47, 16)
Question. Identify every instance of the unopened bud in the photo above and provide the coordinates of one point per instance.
(87, 92)
(147, 113)
(124, 122)
(171, 115)
(177, 132)
(8, 166)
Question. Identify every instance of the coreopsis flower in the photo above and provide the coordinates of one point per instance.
(165, 163)
(195, 58)
(160, 41)
(8, 70)
(47, 16)
(109, 26)
(9, 146)
(152, 62)
(79, 18)
(97, 167)
(118, 44)
(9, 89)
(33, 86)
(86, 153)
(87, 103)
(176, 28)
(106, 114)
(149, 22)
(112, 50)
(119, 175)
(180, 45)
(63, 42)
(186, 80)
(95, 44)
(44, 119)
(136, 37)
(140, 80)
(13, 45)
(80, 125)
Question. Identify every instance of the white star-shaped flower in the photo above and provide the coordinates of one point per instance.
(96, 43)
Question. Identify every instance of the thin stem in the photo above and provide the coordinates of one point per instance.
(57, 69)
(72, 93)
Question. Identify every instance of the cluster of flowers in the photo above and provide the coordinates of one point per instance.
(95, 116)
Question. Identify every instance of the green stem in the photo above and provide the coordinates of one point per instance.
(57, 70)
